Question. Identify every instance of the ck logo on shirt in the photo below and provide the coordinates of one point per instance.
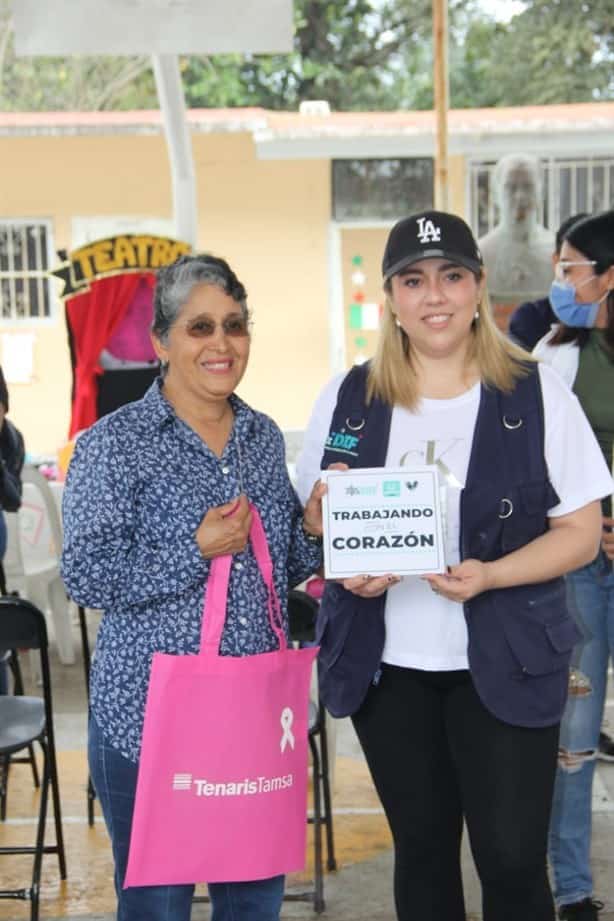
(427, 232)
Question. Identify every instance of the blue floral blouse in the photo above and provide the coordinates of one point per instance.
(138, 486)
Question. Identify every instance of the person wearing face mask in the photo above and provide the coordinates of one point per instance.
(531, 320)
(529, 323)
(581, 348)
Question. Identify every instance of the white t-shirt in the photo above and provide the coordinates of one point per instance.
(425, 630)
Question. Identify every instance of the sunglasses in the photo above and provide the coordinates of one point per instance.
(235, 326)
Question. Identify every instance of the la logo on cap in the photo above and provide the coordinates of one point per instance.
(427, 232)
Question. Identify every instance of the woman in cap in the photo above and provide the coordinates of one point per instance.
(456, 682)
(581, 348)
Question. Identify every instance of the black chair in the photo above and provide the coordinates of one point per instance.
(10, 660)
(24, 720)
(302, 615)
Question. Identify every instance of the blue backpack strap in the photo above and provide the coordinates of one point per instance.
(353, 418)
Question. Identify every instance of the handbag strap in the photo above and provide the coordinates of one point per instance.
(216, 591)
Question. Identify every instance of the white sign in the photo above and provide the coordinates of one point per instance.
(17, 357)
(63, 27)
(382, 520)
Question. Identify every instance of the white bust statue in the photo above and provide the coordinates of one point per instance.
(518, 251)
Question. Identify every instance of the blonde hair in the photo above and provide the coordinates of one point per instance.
(393, 378)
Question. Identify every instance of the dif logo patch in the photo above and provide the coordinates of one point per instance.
(391, 488)
(343, 443)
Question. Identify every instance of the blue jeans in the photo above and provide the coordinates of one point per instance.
(591, 599)
(114, 779)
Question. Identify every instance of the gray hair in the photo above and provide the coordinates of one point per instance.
(175, 283)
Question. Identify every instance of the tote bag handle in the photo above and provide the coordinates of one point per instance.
(216, 591)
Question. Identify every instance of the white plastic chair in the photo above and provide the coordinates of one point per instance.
(37, 578)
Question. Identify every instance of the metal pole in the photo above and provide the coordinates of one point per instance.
(442, 101)
(179, 143)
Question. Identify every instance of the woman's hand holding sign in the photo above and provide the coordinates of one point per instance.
(461, 582)
(364, 585)
(370, 586)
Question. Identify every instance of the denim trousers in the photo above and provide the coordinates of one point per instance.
(591, 600)
(114, 778)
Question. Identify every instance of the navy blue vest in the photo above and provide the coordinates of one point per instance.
(520, 639)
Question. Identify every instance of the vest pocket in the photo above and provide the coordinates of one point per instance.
(538, 647)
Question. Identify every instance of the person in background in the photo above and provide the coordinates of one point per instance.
(154, 492)
(456, 682)
(529, 323)
(12, 455)
(532, 320)
(581, 349)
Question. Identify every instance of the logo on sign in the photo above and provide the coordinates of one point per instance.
(427, 232)
(286, 720)
(182, 781)
(360, 490)
(392, 488)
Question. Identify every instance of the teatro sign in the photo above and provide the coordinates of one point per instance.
(115, 256)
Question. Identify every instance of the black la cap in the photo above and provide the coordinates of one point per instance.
(430, 235)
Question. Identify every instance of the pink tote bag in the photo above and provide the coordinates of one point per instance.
(222, 784)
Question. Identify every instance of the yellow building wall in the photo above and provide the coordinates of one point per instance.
(269, 218)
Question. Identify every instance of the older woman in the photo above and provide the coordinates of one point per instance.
(147, 505)
(456, 682)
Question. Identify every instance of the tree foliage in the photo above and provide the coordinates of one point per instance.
(78, 83)
(555, 51)
(357, 54)
(349, 52)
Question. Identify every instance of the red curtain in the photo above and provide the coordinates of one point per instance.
(93, 318)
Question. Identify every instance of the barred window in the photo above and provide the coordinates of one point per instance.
(381, 189)
(569, 186)
(24, 262)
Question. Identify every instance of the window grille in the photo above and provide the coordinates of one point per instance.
(569, 186)
(24, 263)
(381, 189)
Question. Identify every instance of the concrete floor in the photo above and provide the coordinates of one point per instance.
(359, 891)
